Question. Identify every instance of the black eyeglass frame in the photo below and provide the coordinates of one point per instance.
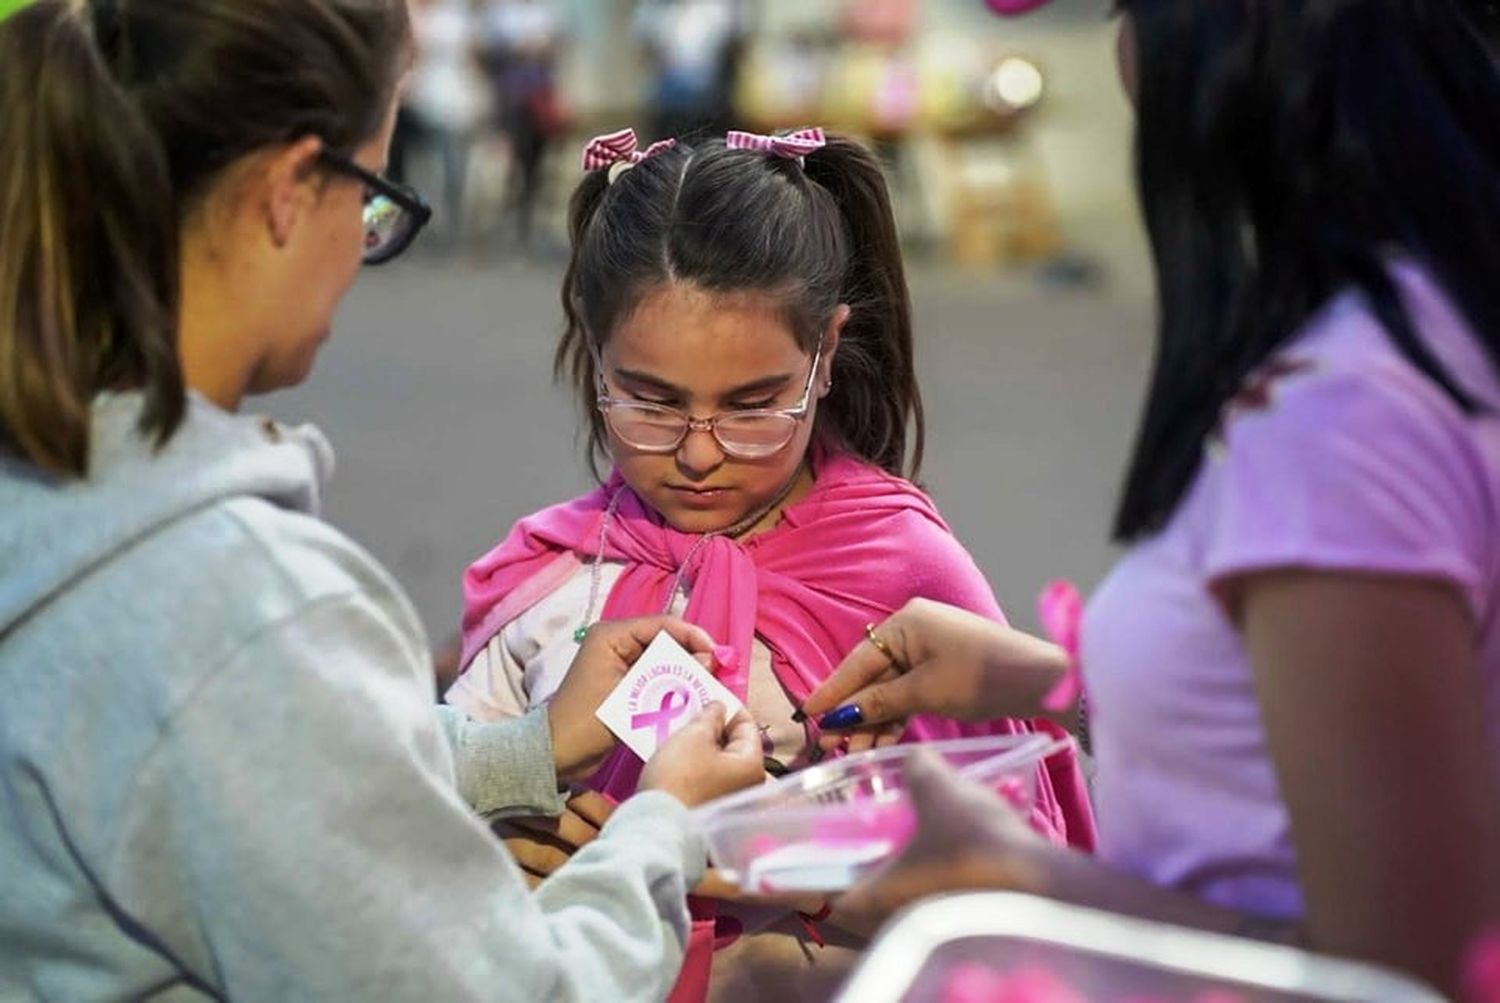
(405, 198)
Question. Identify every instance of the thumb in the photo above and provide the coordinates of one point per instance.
(939, 793)
(929, 781)
(697, 732)
(709, 720)
(741, 737)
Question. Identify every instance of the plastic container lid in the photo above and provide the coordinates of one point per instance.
(1002, 945)
(822, 828)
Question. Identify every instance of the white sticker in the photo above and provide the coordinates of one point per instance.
(661, 693)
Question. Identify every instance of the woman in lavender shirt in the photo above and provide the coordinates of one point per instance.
(1293, 676)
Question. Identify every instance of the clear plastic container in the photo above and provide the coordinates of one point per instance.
(822, 828)
(988, 946)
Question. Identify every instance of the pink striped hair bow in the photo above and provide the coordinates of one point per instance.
(620, 148)
(793, 146)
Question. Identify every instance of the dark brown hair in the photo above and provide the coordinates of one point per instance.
(116, 116)
(724, 220)
(1284, 153)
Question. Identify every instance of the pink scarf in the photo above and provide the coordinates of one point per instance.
(852, 552)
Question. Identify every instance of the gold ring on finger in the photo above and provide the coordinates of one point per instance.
(884, 649)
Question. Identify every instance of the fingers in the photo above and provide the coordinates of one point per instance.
(863, 666)
(706, 758)
(535, 852)
(928, 778)
(881, 703)
(629, 638)
(710, 720)
(591, 806)
(904, 883)
(950, 811)
(715, 887)
(877, 737)
(569, 829)
(540, 846)
(741, 737)
(939, 792)
(703, 730)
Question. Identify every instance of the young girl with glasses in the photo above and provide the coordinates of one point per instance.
(222, 775)
(739, 336)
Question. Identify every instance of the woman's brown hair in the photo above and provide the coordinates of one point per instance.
(116, 117)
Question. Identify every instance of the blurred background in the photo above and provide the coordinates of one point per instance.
(1007, 144)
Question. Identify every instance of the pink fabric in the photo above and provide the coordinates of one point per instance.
(852, 552)
(1349, 460)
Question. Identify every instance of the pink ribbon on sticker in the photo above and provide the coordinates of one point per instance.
(1061, 610)
(673, 703)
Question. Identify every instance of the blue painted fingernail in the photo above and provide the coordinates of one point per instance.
(847, 716)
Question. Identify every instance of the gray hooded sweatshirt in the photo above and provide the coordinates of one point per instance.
(221, 771)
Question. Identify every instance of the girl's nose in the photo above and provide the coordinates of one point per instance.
(700, 453)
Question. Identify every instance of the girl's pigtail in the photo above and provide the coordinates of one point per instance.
(875, 402)
(573, 362)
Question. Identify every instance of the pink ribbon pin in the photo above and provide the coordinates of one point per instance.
(793, 146)
(673, 703)
(726, 657)
(1061, 609)
(620, 148)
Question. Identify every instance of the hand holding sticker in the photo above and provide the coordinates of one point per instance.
(660, 693)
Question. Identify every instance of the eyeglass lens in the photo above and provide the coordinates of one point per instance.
(386, 226)
(751, 434)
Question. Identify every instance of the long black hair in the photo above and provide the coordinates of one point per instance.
(814, 234)
(1286, 149)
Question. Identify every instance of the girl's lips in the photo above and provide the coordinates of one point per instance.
(698, 497)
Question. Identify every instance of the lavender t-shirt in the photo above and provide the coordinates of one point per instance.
(1342, 457)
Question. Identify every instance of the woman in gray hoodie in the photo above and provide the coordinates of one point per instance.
(221, 774)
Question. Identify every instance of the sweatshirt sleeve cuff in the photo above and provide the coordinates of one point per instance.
(505, 768)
